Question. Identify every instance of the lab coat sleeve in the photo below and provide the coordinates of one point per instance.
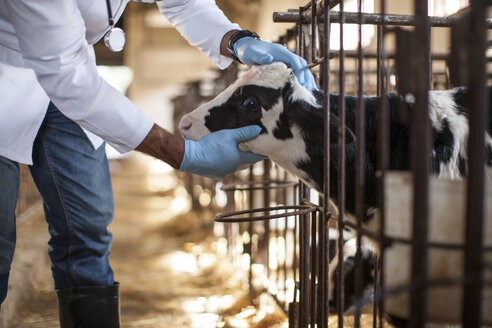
(51, 36)
(201, 23)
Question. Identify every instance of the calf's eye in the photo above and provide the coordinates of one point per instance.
(250, 104)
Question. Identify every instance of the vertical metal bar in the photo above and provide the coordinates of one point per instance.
(314, 24)
(297, 224)
(297, 265)
(307, 272)
(300, 43)
(304, 304)
(304, 258)
(251, 203)
(341, 169)
(325, 72)
(380, 45)
(472, 289)
(302, 273)
(320, 291)
(295, 261)
(360, 176)
(383, 160)
(420, 155)
(264, 241)
(314, 246)
(284, 235)
(376, 305)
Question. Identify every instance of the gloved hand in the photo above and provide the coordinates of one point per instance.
(252, 51)
(217, 155)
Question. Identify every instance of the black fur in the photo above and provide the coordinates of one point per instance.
(460, 98)
(233, 113)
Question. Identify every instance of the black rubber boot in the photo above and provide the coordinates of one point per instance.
(89, 307)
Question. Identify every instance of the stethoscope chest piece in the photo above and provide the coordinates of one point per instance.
(115, 39)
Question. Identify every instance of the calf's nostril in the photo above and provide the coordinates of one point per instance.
(184, 126)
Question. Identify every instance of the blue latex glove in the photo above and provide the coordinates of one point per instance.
(217, 155)
(252, 51)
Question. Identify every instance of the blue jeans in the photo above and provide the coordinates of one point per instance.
(74, 182)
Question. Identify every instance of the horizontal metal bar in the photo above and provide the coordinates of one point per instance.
(369, 18)
(398, 289)
(373, 54)
(388, 240)
(258, 185)
(232, 217)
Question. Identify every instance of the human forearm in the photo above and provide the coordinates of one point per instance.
(163, 145)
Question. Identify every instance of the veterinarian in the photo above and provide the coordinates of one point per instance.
(56, 112)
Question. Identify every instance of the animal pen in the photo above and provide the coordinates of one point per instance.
(283, 235)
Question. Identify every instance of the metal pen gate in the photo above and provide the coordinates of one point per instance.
(287, 234)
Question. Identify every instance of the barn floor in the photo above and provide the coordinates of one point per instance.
(164, 256)
(173, 271)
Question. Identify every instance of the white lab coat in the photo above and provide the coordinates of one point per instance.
(46, 54)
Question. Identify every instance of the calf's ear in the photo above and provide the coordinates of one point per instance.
(349, 135)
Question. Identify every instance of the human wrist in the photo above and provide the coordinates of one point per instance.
(225, 42)
(231, 38)
(163, 145)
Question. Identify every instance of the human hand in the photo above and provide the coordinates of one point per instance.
(253, 51)
(217, 155)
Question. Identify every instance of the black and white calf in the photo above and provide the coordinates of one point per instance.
(292, 121)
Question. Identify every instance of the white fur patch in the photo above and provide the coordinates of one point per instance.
(299, 93)
(442, 106)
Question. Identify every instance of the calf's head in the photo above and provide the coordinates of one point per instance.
(269, 96)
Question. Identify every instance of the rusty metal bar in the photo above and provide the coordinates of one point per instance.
(320, 308)
(286, 226)
(300, 40)
(389, 241)
(420, 156)
(258, 185)
(278, 269)
(302, 274)
(341, 170)
(305, 292)
(314, 23)
(360, 131)
(438, 55)
(304, 265)
(313, 286)
(472, 289)
(325, 216)
(383, 162)
(263, 243)
(369, 19)
(377, 291)
(250, 246)
(297, 210)
(295, 265)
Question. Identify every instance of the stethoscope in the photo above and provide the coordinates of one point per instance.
(114, 39)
